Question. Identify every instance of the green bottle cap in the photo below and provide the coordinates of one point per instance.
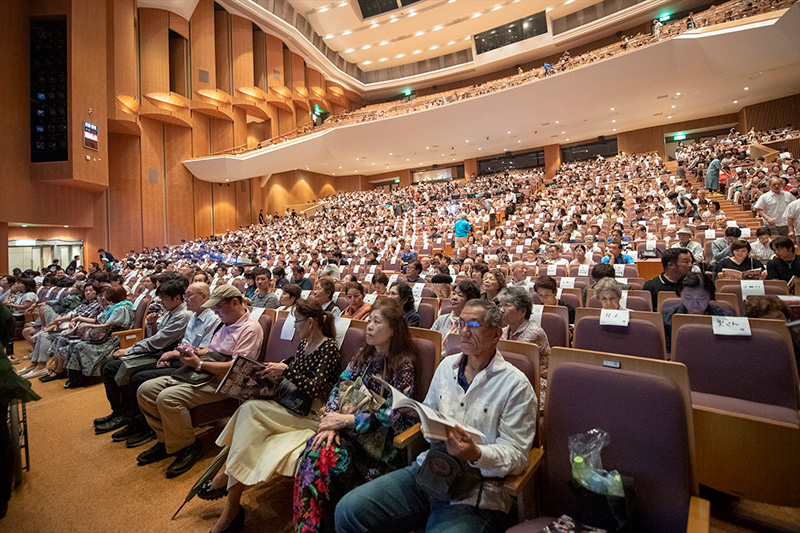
(578, 460)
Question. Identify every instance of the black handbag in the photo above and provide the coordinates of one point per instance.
(196, 378)
(444, 477)
(292, 398)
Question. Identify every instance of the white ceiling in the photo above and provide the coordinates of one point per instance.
(710, 69)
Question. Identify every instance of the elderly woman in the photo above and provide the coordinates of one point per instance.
(264, 436)
(516, 305)
(403, 295)
(493, 282)
(697, 295)
(89, 308)
(351, 448)
(83, 358)
(289, 296)
(323, 293)
(357, 308)
(609, 293)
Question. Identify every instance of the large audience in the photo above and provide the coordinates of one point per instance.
(488, 251)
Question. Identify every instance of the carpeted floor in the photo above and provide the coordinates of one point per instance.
(81, 482)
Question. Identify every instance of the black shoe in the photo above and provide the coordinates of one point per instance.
(112, 425)
(153, 455)
(185, 459)
(104, 419)
(237, 524)
(140, 436)
(124, 433)
(54, 376)
(207, 492)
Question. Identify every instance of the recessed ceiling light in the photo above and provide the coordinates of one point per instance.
(419, 33)
(495, 8)
(451, 43)
(556, 122)
(479, 148)
(736, 101)
(307, 168)
(25, 225)
(567, 139)
(407, 159)
(427, 147)
(393, 20)
(374, 25)
(466, 141)
(383, 43)
(437, 28)
(613, 121)
(677, 94)
(747, 88)
(322, 9)
(412, 14)
(343, 4)
(434, 47)
(367, 62)
(384, 59)
(476, 15)
(451, 1)
(390, 153)
(612, 109)
(329, 36)
(509, 133)
(366, 47)
(227, 179)
(340, 167)
(468, 37)
(519, 141)
(673, 107)
(334, 173)
(346, 32)
(505, 149)
(615, 129)
(398, 56)
(66, 226)
(548, 10)
(417, 52)
(669, 116)
(349, 51)
(568, 2)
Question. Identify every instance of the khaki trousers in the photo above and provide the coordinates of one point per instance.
(165, 403)
(461, 242)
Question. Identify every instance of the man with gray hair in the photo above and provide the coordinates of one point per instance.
(477, 387)
(519, 272)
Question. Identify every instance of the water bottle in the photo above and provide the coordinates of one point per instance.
(587, 477)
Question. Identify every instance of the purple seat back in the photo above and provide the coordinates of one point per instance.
(634, 303)
(353, 340)
(756, 368)
(640, 338)
(427, 315)
(277, 348)
(557, 329)
(425, 369)
(645, 417)
(265, 321)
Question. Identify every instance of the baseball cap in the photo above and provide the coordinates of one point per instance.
(220, 293)
(685, 230)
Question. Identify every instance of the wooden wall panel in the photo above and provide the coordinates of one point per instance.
(257, 132)
(287, 122)
(152, 193)
(121, 57)
(255, 198)
(201, 125)
(221, 135)
(260, 59)
(552, 159)
(224, 207)
(643, 140)
(203, 208)
(298, 74)
(180, 199)
(153, 46)
(274, 62)
(202, 45)
(301, 187)
(179, 25)
(242, 42)
(4, 248)
(239, 127)
(244, 216)
(773, 114)
(125, 192)
(222, 38)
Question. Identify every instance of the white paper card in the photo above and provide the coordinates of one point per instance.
(480, 249)
(754, 287)
(257, 312)
(509, 242)
(278, 293)
(731, 325)
(624, 281)
(619, 270)
(623, 300)
(711, 233)
(567, 283)
(362, 261)
(614, 317)
(745, 232)
(416, 290)
(731, 224)
(536, 314)
(355, 269)
(665, 221)
(528, 242)
(370, 298)
(552, 270)
(304, 294)
(558, 293)
(368, 278)
(341, 325)
(583, 270)
(393, 278)
(519, 249)
(287, 331)
(372, 269)
(650, 246)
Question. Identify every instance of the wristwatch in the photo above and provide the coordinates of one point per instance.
(199, 366)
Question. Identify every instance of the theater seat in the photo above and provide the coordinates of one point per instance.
(643, 337)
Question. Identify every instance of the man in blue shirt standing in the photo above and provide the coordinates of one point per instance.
(462, 229)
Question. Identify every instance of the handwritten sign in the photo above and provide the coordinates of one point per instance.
(368, 278)
(552, 270)
(536, 314)
(614, 317)
(355, 269)
(393, 278)
(509, 242)
(583, 270)
(372, 269)
(519, 249)
(619, 270)
(745, 232)
(711, 233)
(567, 283)
(752, 287)
(731, 325)
(650, 246)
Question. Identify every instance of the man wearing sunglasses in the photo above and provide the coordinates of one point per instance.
(480, 389)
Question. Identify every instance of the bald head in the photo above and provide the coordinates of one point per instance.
(196, 295)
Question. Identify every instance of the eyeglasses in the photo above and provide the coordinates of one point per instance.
(471, 324)
(298, 320)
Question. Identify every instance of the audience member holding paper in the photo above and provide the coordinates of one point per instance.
(697, 295)
(264, 436)
(355, 439)
(740, 265)
(786, 264)
(477, 388)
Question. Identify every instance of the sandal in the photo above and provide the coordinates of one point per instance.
(52, 376)
(207, 492)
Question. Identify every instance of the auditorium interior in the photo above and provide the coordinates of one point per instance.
(162, 129)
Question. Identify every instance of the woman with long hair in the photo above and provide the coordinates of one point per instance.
(264, 436)
(354, 445)
(403, 295)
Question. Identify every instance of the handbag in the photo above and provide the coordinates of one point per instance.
(444, 477)
(196, 378)
(355, 397)
(292, 398)
(96, 334)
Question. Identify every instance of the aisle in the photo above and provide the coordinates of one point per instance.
(81, 482)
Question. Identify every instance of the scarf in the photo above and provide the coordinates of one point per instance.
(111, 309)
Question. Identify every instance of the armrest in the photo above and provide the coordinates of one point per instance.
(129, 337)
(409, 437)
(699, 515)
(516, 483)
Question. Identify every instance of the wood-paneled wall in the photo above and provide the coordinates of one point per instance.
(773, 114)
(652, 139)
(300, 187)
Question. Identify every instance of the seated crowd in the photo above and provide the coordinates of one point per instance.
(523, 248)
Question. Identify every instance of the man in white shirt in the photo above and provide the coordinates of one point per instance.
(477, 388)
(771, 207)
(792, 218)
(685, 241)
(519, 272)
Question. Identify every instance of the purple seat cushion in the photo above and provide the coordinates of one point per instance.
(645, 417)
(756, 368)
(735, 405)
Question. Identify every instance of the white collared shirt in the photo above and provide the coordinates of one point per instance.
(500, 402)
